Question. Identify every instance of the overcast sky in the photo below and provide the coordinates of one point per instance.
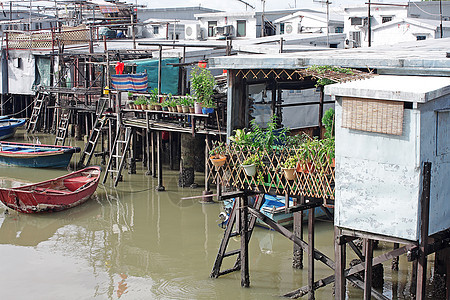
(235, 5)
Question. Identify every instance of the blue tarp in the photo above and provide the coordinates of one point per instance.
(169, 74)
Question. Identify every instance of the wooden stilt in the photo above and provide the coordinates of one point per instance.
(395, 259)
(339, 250)
(311, 253)
(425, 212)
(148, 152)
(413, 287)
(153, 154)
(297, 261)
(368, 269)
(160, 186)
(245, 278)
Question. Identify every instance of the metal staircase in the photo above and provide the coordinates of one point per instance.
(99, 124)
(233, 219)
(61, 130)
(38, 104)
(118, 153)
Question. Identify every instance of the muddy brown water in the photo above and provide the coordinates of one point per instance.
(135, 243)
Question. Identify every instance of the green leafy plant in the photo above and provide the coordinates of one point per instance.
(328, 123)
(253, 159)
(219, 148)
(154, 98)
(202, 84)
(290, 163)
(141, 100)
(266, 138)
(322, 81)
(130, 95)
(242, 137)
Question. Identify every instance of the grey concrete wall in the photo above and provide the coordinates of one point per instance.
(377, 179)
(21, 77)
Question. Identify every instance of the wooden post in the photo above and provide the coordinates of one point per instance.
(160, 186)
(207, 190)
(147, 148)
(413, 287)
(153, 154)
(424, 216)
(133, 150)
(394, 265)
(297, 261)
(245, 278)
(368, 269)
(311, 254)
(339, 252)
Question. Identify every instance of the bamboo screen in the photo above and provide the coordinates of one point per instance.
(373, 115)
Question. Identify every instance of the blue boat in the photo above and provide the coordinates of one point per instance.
(36, 155)
(9, 126)
(274, 208)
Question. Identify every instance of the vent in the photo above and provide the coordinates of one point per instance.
(289, 28)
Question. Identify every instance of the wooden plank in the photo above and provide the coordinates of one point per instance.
(285, 232)
(340, 257)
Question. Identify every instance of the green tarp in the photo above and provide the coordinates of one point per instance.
(169, 74)
(42, 74)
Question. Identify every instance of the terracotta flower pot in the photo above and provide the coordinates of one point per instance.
(185, 109)
(157, 107)
(179, 108)
(218, 160)
(289, 173)
(192, 110)
(303, 167)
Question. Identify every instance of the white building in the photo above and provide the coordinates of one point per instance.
(309, 21)
(408, 29)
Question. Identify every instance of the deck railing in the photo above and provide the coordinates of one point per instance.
(313, 179)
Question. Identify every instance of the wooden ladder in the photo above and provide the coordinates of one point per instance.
(118, 154)
(229, 233)
(38, 104)
(61, 131)
(99, 123)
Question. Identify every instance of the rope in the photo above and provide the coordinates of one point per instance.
(21, 110)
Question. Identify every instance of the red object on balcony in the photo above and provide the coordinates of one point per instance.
(201, 64)
(119, 67)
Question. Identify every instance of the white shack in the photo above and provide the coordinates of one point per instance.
(386, 128)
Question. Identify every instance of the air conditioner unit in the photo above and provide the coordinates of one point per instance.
(224, 31)
(138, 31)
(289, 28)
(192, 32)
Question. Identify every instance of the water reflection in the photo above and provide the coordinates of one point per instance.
(135, 243)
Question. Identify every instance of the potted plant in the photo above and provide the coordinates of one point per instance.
(165, 105)
(305, 164)
(217, 156)
(250, 164)
(154, 100)
(185, 104)
(198, 107)
(172, 106)
(191, 104)
(131, 104)
(178, 105)
(202, 84)
(140, 101)
(289, 167)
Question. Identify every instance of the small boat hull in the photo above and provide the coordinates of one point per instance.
(36, 156)
(53, 195)
(8, 127)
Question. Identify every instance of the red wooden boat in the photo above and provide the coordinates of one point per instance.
(53, 195)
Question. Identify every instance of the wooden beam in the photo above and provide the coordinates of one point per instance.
(310, 253)
(245, 277)
(368, 269)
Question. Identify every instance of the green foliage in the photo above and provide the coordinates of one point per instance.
(242, 137)
(252, 159)
(141, 100)
(295, 141)
(154, 96)
(202, 84)
(328, 122)
(218, 148)
(268, 137)
(290, 163)
(324, 69)
(130, 94)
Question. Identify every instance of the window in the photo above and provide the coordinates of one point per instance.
(421, 37)
(356, 21)
(339, 30)
(281, 28)
(155, 30)
(211, 26)
(386, 19)
(241, 28)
